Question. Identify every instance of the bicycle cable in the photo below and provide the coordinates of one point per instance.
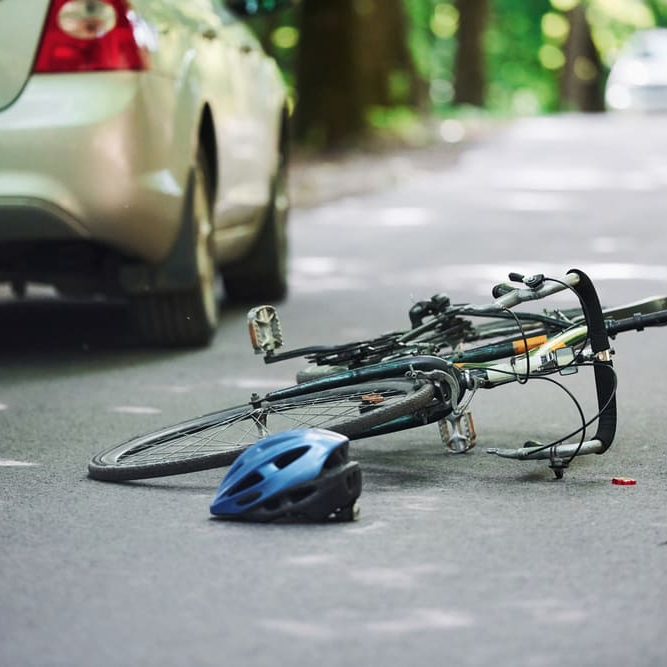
(584, 308)
(585, 423)
(524, 338)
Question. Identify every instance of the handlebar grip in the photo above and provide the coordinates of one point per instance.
(604, 376)
(637, 322)
(417, 313)
(501, 289)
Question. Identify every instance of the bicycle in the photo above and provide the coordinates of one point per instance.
(410, 378)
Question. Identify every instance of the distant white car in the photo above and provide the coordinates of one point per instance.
(638, 78)
(143, 148)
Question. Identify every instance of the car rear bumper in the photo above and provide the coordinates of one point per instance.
(628, 97)
(92, 157)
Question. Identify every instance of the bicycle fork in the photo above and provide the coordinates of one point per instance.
(457, 429)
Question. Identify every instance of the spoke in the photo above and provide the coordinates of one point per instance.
(244, 429)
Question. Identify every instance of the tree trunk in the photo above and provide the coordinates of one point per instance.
(581, 81)
(353, 56)
(469, 63)
(384, 61)
(329, 108)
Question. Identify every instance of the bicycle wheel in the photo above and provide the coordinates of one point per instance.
(216, 439)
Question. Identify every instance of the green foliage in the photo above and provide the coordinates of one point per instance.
(518, 80)
(524, 45)
(613, 21)
(279, 35)
(432, 26)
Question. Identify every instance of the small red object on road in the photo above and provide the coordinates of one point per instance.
(623, 481)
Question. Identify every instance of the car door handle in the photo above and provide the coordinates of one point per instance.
(246, 49)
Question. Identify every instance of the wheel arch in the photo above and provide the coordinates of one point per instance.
(285, 139)
(176, 271)
(206, 140)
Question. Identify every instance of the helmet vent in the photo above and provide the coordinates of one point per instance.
(298, 495)
(352, 480)
(289, 457)
(247, 482)
(272, 504)
(336, 458)
(248, 498)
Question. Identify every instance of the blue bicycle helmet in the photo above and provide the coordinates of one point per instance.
(298, 474)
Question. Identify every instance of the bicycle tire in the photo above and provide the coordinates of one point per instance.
(216, 439)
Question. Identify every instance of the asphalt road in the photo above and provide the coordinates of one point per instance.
(467, 560)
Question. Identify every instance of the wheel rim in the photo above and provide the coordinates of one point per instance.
(236, 431)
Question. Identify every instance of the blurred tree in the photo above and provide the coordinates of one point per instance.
(329, 108)
(469, 64)
(352, 58)
(659, 11)
(520, 77)
(387, 68)
(582, 76)
(352, 64)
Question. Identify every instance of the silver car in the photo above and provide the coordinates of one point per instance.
(143, 148)
(638, 78)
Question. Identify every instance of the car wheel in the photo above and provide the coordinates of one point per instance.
(189, 316)
(262, 274)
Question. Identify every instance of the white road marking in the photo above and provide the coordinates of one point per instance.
(405, 216)
(9, 463)
(415, 620)
(173, 388)
(299, 629)
(461, 275)
(606, 244)
(135, 410)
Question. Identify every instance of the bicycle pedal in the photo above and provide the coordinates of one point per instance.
(457, 432)
(266, 334)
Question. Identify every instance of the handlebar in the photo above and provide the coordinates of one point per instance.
(560, 455)
(637, 322)
(604, 380)
(534, 287)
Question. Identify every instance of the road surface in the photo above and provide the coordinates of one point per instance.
(467, 560)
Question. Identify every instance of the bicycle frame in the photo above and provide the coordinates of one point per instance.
(453, 378)
(414, 389)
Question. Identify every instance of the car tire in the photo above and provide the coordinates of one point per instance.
(262, 274)
(187, 317)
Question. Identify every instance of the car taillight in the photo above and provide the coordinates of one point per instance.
(88, 35)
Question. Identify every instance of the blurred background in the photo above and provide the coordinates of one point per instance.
(359, 68)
